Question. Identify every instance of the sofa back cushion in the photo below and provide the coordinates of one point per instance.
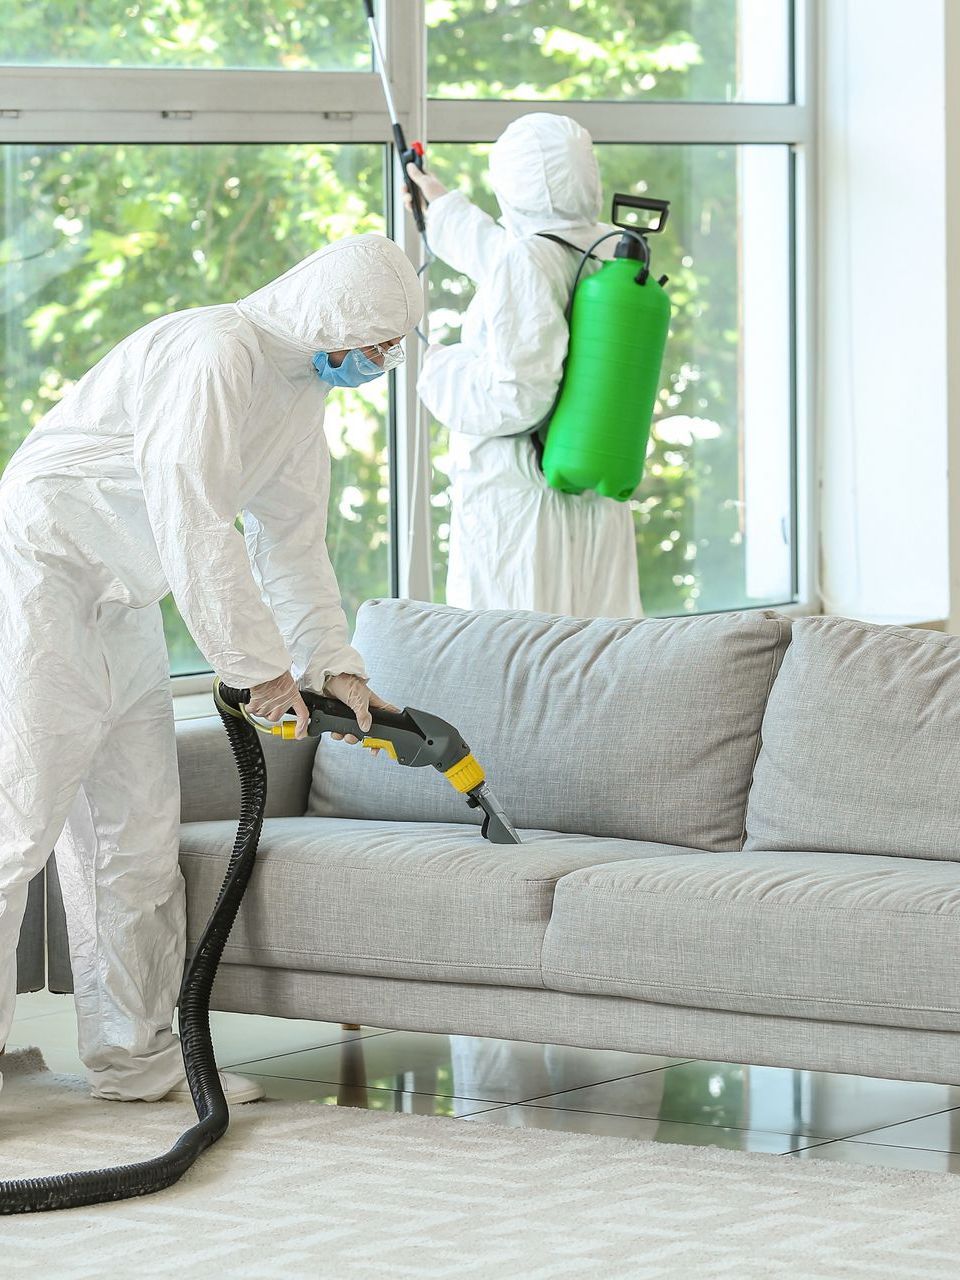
(861, 744)
(646, 730)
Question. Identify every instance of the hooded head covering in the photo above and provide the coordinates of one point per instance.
(544, 174)
(350, 294)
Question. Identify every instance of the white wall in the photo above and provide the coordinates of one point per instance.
(883, 358)
(952, 115)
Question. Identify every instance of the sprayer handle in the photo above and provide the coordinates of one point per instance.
(640, 202)
(411, 155)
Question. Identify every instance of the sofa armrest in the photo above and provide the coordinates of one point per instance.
(209, 787)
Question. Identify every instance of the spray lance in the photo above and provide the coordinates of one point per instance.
(409, 737)
(407, 155)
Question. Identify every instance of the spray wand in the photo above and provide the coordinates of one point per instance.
(408, 155)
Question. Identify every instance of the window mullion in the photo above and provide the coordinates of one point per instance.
(649, 122)
(404, 39)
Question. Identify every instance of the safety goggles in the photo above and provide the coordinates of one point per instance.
(391, 356)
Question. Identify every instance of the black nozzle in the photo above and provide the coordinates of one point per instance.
(631, 246)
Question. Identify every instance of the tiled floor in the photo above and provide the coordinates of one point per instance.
(800, 1113)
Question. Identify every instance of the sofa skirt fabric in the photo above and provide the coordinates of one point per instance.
(605, 1022)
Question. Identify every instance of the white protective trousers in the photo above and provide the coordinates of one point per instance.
(127, 489)
(88, 706)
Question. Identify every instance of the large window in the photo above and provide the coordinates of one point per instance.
(699, 547)
(693, 101)
(287, 35)
(653, 50)
(99, 240)
(171, 153)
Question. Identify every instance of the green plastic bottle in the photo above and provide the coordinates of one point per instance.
(596, 437)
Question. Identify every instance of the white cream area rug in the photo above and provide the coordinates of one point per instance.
(302, 1192)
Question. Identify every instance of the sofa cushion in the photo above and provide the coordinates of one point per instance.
(390, 899)
(644, 730)
(861, 744)
(853, 938)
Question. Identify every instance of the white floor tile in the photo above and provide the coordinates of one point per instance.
(347, 1095)
(608, 1126)
(940, 1132)
(458, 1066)
(774, 1100)
(882, 1157)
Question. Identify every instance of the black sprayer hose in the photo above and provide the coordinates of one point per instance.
(70, 1190)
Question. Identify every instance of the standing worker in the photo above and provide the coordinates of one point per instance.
(515, 543)
(130, 488)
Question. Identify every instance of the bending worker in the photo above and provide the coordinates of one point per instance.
(129, 488)
(515, 543)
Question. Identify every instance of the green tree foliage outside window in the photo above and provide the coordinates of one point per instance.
(99, 240)
(289, 35)
(654, 50)
(688, 512)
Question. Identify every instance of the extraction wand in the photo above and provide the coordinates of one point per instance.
(409, 737)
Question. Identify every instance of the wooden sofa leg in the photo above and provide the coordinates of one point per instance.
(349, 1026)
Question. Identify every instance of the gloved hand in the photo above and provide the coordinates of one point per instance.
(274, 698)
(430, 188)
(359, 697)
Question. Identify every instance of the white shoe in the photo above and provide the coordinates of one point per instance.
(237, 1089)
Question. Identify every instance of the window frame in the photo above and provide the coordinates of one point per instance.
(168, 105)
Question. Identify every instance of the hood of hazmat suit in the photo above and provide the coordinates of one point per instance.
(129, 488)
(514, 542)
(544, 174)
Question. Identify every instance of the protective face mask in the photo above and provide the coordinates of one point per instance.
(355, 369)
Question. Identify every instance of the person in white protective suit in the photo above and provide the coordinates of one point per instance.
(515, 543)
(130, 488)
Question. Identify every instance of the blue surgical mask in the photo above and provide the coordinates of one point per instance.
(355, 369)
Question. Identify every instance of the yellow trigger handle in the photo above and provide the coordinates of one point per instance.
(384, 744)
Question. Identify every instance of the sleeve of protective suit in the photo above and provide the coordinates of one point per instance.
(285, 528)
(186, 449)
(464, 236)
(508, 387)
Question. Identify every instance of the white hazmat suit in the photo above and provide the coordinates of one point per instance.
(515, 543)
(128, 488)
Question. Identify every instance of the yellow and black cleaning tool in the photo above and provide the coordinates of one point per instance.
(410, 737)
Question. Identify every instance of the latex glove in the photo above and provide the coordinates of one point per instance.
(430, 188)
(359, 697)
(274, 698)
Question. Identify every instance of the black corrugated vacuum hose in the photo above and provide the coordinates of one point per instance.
(70, 1190)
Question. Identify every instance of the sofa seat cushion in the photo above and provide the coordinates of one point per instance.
(391, 899)
(861, 744)
(646, 730)
(855, 938)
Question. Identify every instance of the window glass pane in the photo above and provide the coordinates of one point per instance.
(291, 35)
(97, 240)
(681, 50)
(713, 515)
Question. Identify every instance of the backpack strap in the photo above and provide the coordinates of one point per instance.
(548, 235)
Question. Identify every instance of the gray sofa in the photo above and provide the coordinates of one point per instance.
(741, 843)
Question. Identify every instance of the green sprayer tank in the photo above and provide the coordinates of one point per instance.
(597, 432)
